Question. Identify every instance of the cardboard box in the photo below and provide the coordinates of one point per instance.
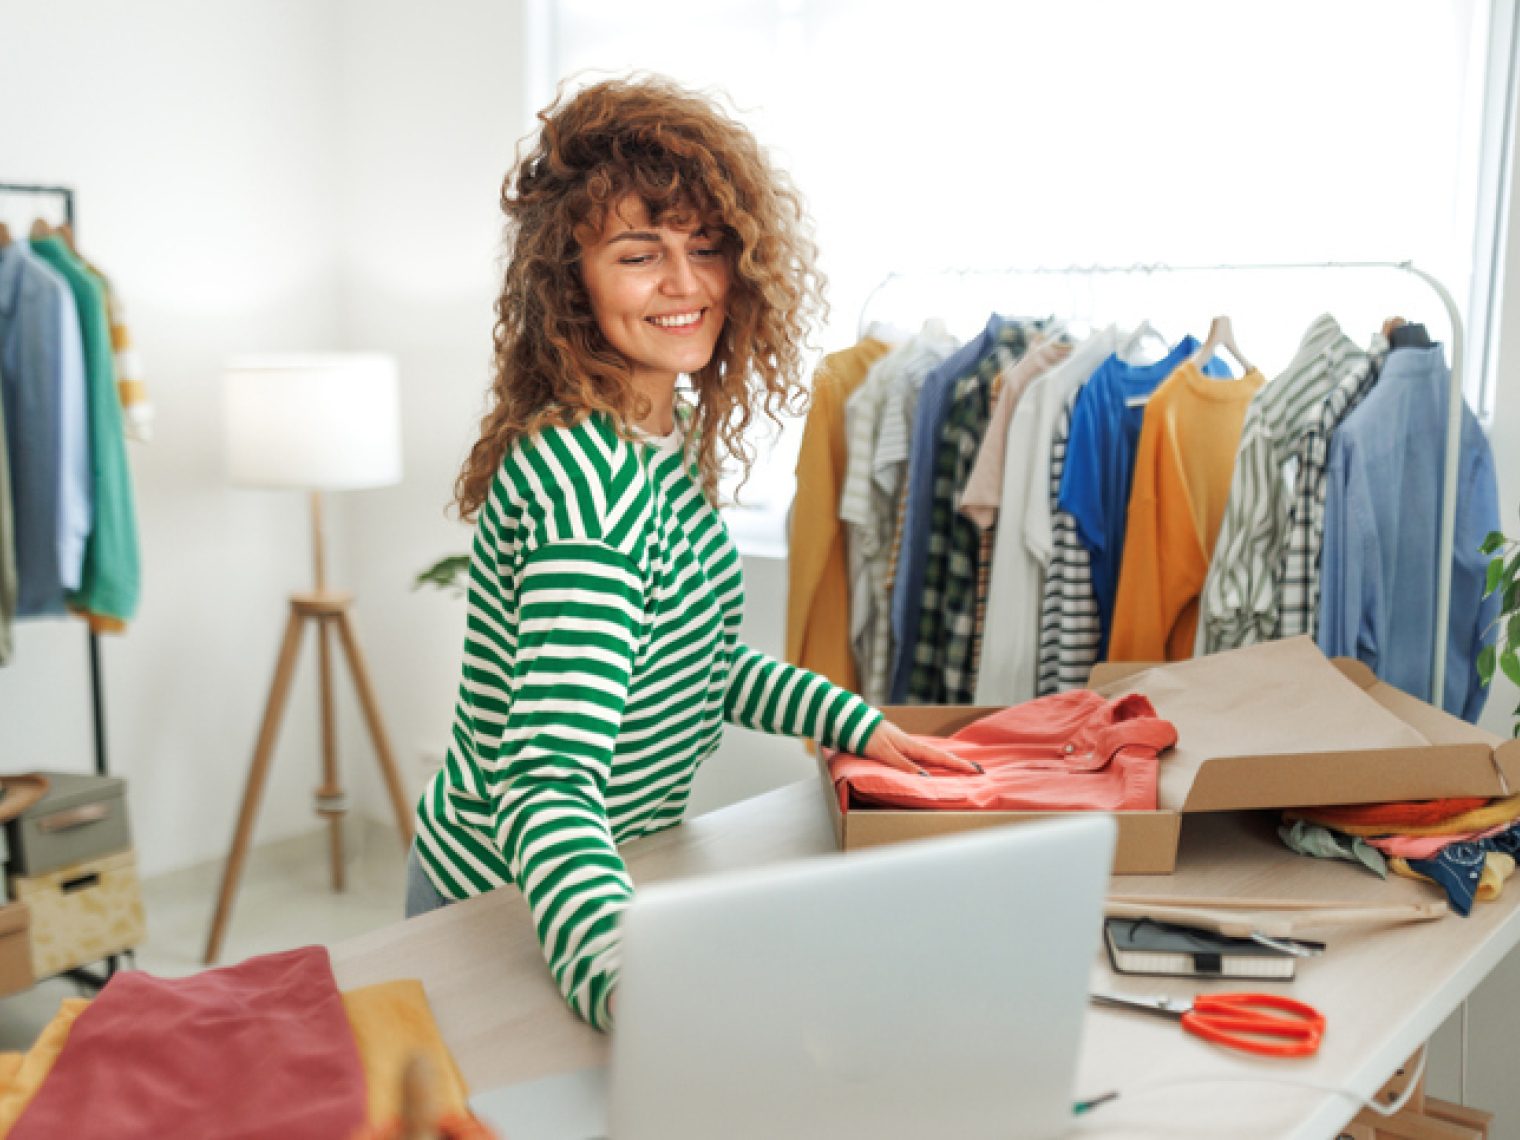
(1457, 759)
(84, 913)
(81, 817)
(15, 949)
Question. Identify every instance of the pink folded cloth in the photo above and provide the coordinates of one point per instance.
(258, 1050)
(1428, 846)
(1067, 752)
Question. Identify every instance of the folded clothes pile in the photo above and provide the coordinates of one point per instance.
(1467, 847)
(266, 1048)
(1071, 751)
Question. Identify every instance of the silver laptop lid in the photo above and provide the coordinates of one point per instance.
(927, 989)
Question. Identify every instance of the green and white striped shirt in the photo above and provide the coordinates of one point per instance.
(601, 660)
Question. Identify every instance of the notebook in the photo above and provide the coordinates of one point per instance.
(894, 993)
(1143, 946)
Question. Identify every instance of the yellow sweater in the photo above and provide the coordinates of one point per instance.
(818, 572)
(1182, 481)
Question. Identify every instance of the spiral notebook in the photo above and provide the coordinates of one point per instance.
(1143, 946)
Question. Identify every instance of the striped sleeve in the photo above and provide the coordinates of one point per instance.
(581, 607)
(787, 700)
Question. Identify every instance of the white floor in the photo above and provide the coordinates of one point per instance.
(286, 900)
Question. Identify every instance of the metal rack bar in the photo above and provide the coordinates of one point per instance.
(1448, 522)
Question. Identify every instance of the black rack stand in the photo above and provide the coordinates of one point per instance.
(97, 686)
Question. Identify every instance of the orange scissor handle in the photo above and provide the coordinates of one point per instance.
(1268, 1024)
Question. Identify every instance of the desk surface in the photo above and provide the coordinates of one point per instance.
(1384, 991)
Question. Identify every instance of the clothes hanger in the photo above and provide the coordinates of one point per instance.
(1221, 335)
(5, 235)
(40, 229)
(1143, 331)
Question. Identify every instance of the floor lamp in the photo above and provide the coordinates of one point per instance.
(317, 423)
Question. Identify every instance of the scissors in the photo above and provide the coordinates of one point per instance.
(1267, 1024)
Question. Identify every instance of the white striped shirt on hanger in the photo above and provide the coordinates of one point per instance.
(1070, 628)
(1240, 600)
(1025, 542)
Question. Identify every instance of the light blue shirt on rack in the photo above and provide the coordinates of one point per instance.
(42, 382)
(1382, 515)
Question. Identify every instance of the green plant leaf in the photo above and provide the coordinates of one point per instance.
(1511, 598)
(1512, 630)
(1486, 663)
(1495, 574)
(1492, 543)
(1509, 661)
(446, 574)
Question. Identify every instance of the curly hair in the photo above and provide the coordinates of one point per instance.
(683, 157)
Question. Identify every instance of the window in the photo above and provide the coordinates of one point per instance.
(961, 134)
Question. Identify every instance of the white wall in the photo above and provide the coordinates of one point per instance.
(200, 140)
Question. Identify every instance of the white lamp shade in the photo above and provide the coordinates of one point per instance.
(320, 421)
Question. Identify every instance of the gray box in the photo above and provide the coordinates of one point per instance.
(81, 817)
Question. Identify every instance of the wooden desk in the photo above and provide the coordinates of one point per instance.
(1384, 992)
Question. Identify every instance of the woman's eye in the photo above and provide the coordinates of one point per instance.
(711, 251)
(636, 259)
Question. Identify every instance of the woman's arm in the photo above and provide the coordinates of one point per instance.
(788, 700)
(581, 607)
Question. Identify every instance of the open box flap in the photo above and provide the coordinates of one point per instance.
(1279, 725)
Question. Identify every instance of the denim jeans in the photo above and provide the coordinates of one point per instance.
(421, 895)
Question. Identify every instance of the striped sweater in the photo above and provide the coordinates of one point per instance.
(601, 660)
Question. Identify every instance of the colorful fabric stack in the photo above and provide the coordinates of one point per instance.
(1467, 847)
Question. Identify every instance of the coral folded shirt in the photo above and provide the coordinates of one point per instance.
(1071, 751)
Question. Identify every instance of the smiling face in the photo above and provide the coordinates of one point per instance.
(658, 292)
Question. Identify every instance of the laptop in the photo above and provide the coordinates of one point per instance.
(934, 988)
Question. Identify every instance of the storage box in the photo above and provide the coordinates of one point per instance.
(1459, 760)
(83, 913)
(80, 818)
(15, 949)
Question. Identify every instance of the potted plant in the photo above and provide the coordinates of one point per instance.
(1503, 579)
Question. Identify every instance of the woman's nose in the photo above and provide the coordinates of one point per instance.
(680, 279)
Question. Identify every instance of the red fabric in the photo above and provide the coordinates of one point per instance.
(1417, 813)
(1071, 751)
(261, 1049)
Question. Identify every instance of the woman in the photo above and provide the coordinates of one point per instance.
(650, 239)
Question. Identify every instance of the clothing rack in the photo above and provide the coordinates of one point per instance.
(97, 686)
(1453, 407)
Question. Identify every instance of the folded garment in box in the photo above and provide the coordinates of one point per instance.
(1067, 752)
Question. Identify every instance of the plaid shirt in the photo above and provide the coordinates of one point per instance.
(1298, 611)
(943, 667)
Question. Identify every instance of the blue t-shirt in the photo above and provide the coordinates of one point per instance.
(1100, 462)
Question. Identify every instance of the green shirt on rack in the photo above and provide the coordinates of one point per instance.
(111, 577)
(601, 660)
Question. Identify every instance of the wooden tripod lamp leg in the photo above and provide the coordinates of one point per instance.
(376, 728)
(253, 791)
(331, 801)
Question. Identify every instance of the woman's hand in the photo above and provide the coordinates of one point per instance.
(893, 747)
